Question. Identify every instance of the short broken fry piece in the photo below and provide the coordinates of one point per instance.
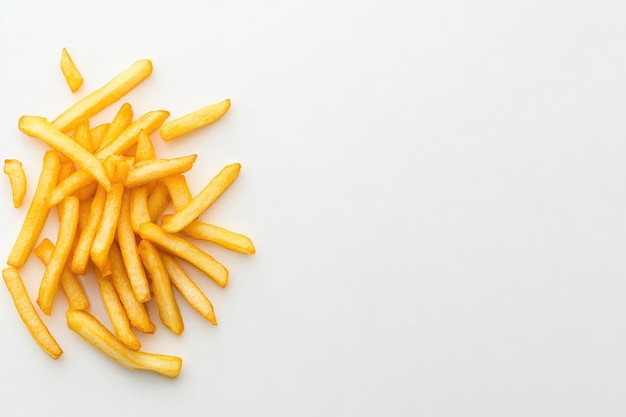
(195, 120)
(90, 329)
(80, 259)
(203, 200)
(223, 237)
(40, 128)
(187, 251)
(69, 283)
(116, 312)
(86, 107)
(190, 291)
(37, 212)
(162, 287)
(106, 229)
(62, 248)
(27, 312)
(146, 171)
(70, 72)
(17, 178)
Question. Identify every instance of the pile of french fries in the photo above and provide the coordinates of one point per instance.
(112, 193)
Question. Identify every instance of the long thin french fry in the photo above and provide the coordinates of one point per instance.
(195, 120)
(80, 259)
(158, 201)
(139, 213)
(106, 229)
(146, 171)
(179, 191)
(223, 237)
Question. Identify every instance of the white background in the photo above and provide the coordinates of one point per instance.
(436, 191)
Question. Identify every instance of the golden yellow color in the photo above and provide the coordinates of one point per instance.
(195, 120)
(70, 72)
(80, 258)
(106, 228)
(158, 200)
(120, 122)
(90, 329)
(27, 312)
(179, 191)
(223, 237)
(17, 178)
(151, 170)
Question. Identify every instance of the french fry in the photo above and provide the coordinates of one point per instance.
(147, 171)
(54, 269)
(37, 212)
(81, 178)
(139, 212)
(162, 287)
(130, 256)
(27, 312)
(70, 72)
(40, 128)
(111, 92)
(82, 136)
(90, 329)
(190, 291)
(80, 259)
(76, 297)
(83, 214)
(98, 133)
(87, 191)
(121, 121)
(203, 200)
(195, 120)
(116, 312)
(185, 250)
(223, 237)
(178, 190)
(106, 229)
(145, 148)
(17, 179)
(135, 311)
(158, 201)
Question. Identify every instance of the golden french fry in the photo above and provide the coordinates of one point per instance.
(203, 200)
(98, 133)
(147, 171)
(118, 167)
(162, 287)
(80, 259)
(70, 72)
(86, 107)
(135, 311)
(223, 237)
(88, 191)
(82, 136)
(106, 228)
(27, 312)
(116, 312)
(90, 329)
(121, 121)
(195, 120)
(139, 212)
(74, 292)
(54, 269)
(178, 190)
(145, 148)
(130, 256)
(81, 178)
(17, 178)
(158, 201)
(185, 250)
(190, 291)
(37, 212)
(40, 128)
(83, 214)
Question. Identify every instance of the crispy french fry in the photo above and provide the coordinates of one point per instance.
(111, 92)
(158, 201)
(139, 212)
(74, 292)
(81, 178)
(195, 120)
(130, 256)
(121, 121)
(118, 167)
(106, 229)
(54, 269)
(80, 259)
(98, 133)
(223, 237)
(185, 250)
(145, 148)
(82, 136)
(90, 329)
(190, 291)
(147, 171)
(70, 72)
(178, 190)
(135, 311)
(17, 178)
(203, 200)
(37, 212)
(83, 214)
(88, 191)
(116, 312)
(40, 128)
(27, 312)
(162, 287)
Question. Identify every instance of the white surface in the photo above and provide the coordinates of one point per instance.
(437, 193)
